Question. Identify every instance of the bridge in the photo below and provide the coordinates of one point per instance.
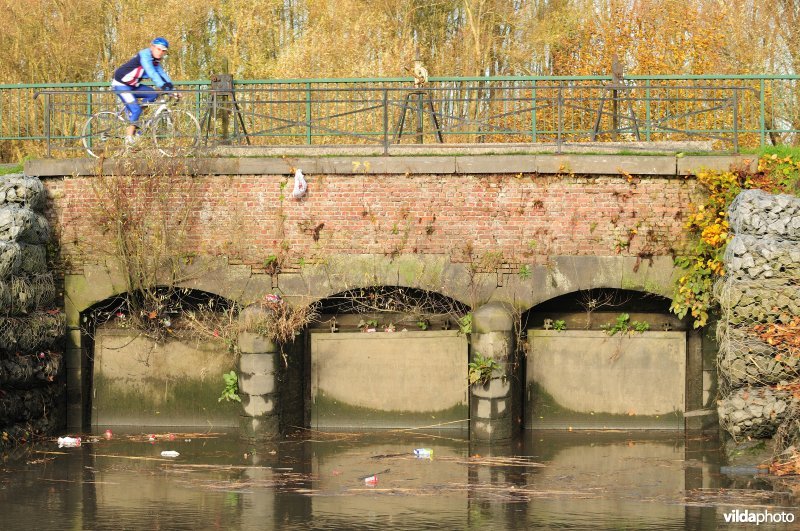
(505, 207)
(518, 240)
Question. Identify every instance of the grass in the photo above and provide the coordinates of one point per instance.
(6, 169)
(780, 151)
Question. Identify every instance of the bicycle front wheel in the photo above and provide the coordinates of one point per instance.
(176, 133)
(103, 134)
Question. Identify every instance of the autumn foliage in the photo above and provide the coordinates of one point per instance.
(707, 225)
(84, 40)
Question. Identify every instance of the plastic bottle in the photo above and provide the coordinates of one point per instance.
(170, 453)
(69, 442)
(423, 453)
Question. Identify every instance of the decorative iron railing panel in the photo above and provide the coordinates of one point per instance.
(727, 111)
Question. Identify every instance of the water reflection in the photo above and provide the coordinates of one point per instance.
(591, 480)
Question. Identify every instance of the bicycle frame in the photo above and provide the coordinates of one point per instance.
(162, 103)
(174, 132)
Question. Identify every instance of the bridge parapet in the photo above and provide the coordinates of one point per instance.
(478, 161)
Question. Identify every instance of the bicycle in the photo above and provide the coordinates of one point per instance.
(175, 132)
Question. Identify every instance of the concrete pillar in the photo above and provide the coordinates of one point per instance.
(77, 414)
(258, 385)
(492, 406)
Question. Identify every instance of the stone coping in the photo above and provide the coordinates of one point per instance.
(547, 164)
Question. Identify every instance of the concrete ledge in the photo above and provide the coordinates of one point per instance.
(606, 164)
(663, 165)
(60, 168)
(496, 164)
(692, 164)
(387, 165)
(489, 148)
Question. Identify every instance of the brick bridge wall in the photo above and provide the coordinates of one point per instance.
(518, 219)
(514, 229)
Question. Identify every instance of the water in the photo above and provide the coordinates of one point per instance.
(590, 480)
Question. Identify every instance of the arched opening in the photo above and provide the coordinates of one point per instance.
(154, 359)
(594, 309)
(387, 357)
(605, 358)
(390, 306)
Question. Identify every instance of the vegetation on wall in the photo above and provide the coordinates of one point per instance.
(277, 320)
(707, 226)
(481, 369)
(146, 223)
(144, 220)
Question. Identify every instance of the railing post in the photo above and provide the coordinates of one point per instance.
(89, 102)
(560, 105)
(88, 108)
(736, 120)
(47, 122)
(420, 127)
(533, 112)
(762, 119)
(308, 113)
(385, 121)
(647, 111)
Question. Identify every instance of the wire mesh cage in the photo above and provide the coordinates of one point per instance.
(759, 330)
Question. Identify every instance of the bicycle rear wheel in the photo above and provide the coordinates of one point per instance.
(176, 133)
(103, 134)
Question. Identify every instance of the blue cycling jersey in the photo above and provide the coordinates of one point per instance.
(141, 65)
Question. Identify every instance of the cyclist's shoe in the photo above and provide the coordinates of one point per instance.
(131, 143)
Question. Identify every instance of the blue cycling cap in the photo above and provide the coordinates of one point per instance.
(161, 42)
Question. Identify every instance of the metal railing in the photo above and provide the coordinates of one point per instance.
(727, 111)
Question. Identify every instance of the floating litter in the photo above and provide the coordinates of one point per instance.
(423, 453)
(69, 442)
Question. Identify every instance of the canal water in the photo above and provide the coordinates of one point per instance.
(373, 481)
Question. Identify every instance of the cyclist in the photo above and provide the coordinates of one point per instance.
(127, 81)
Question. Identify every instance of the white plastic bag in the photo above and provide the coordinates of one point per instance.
(300, 185)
